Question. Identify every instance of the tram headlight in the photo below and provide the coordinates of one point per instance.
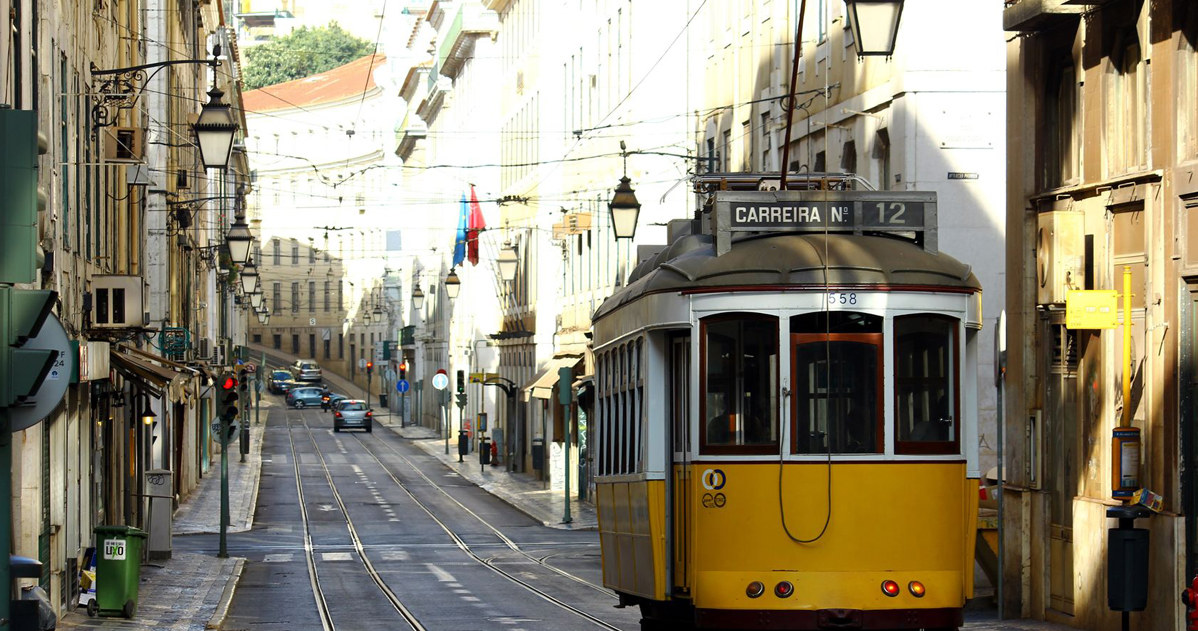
(755, 589)
(916, 588)
(890, 588)
(784, 589)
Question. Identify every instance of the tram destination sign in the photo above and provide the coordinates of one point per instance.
(911, 213)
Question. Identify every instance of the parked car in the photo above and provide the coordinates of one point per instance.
(353, 413)
(280, 381)
(304, 396)
(306, 370)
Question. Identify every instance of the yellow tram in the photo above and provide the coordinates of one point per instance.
(786, 406)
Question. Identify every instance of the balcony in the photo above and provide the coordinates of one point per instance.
(1038, 15)
(411, 131)
(457, 44)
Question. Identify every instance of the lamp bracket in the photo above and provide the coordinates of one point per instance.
(119, 88)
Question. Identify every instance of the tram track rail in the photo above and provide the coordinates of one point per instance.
(322, 606)
(511, 545)
(461, 544)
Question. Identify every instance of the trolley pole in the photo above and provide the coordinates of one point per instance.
(565, 376)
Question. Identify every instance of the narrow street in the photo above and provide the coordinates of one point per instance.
(379, 535)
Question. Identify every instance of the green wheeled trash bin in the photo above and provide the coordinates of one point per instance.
(118, 570)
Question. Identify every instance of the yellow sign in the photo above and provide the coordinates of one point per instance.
(477, 377)
(1092, 309)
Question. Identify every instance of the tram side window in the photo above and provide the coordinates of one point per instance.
(925, 385)
(740, 384)
(619, 398)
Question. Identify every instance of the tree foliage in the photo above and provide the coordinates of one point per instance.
(303, 53)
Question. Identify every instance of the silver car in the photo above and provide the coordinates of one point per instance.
(352, 413)
(306, 370)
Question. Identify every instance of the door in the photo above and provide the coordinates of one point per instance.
(1060, 454)
(1189, 423)
(678, 400)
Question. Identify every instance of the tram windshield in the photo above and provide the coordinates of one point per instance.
(740, 384)
(836, 379)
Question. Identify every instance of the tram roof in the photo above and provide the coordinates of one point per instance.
(792, 260)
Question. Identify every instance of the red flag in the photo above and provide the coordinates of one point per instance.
(475, 226)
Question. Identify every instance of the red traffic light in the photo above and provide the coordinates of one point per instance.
(229, 383)
(369, 365)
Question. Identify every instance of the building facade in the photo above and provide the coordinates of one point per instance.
(129, 240)
(1101, 125)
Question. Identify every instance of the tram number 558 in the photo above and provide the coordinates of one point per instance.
(842, 298)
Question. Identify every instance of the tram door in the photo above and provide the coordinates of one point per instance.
(680, 417)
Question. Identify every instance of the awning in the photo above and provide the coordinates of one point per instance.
(542, 385)
(159, 380)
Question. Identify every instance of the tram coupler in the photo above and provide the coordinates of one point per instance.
(1189, 596)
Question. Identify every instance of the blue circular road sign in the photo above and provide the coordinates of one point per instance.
(402, 385)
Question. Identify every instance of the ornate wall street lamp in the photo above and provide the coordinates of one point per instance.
(256, 301)
(875, 25)
(452, 285)
(215, 130)
(249, 278)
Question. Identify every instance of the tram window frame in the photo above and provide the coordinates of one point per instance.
(736, 371)
(832, 331)
(905, 386)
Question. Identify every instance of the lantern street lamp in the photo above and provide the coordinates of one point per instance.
(256, 301)
(214, 130)
(239, 239)
(875, 25)
(147, 412)
(249, 278)
(624, 209)
(417, 298)
(507, 263)
(452, 285)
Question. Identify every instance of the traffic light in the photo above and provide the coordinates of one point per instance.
(461, 382)
(369, 367)
(461, 397)
(22, 370)
(22, 199)
(403, 371)
(226, 404)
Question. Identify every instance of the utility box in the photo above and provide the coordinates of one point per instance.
(160, 497)
(1060, 255)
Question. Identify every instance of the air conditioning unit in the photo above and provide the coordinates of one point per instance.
(124, 144)
(220, 354)
(117, 302)
(1060, 255)
(204, 350)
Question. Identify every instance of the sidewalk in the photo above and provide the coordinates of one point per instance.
(191, 592)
